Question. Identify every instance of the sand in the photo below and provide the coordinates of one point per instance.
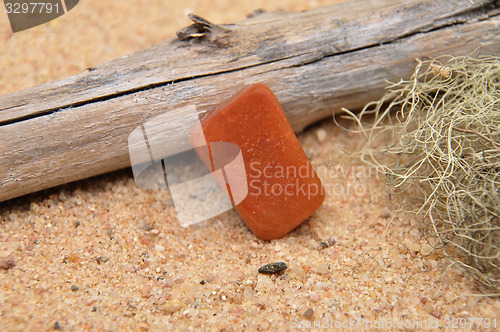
(104, 254)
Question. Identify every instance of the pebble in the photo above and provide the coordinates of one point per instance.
(428, 307)
(328, 243)
(273, 143)
(264, 283)
(308, 314)
(323, 285)
(273, 268)
(414, 232)
(102, 259)
(74, 288)
(314, 297)
(159, 247)
(73, 258)
(8, 262)
(298, 273)
(62, 196)
(248, 294)
(34, 207)
(172, 306)
(322, 268)
(321, 135)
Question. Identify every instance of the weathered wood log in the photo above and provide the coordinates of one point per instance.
(316, 61)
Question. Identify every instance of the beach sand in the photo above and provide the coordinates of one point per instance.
(103, 254)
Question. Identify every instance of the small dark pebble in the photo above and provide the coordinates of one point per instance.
(273, 268)
(328, 243)
(74, 288)
(8, 262)
(94, 309)
(57, 326)
(160, 278)
(202, 282)
(308, 314)
(102, 259)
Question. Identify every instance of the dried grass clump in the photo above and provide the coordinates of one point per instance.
(443, 146)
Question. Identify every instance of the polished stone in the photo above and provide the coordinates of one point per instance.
(283, 187)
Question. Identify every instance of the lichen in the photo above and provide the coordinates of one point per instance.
(437, 139)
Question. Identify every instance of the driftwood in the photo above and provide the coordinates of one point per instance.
(316, 61)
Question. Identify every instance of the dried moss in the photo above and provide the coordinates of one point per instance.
(437, 138)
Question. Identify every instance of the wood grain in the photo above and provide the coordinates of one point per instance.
(315, 61)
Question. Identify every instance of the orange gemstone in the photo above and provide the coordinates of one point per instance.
(283, 187)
